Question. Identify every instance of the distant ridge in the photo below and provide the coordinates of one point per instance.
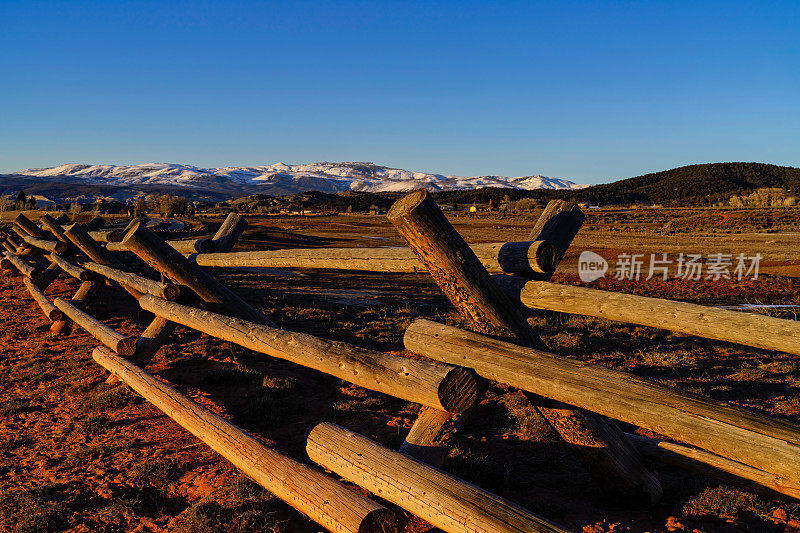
(703, 184)
(127, 181)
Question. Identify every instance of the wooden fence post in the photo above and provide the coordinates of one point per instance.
(29, 227)
(559, 223)
(55, 228)
(228, 233)
(154, 251)
(610, 459)
(152, 339)
(81, 238)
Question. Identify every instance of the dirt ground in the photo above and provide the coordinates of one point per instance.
(77, 454)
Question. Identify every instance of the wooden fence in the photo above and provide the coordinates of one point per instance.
(733, 444)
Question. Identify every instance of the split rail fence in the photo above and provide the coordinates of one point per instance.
(492, 286)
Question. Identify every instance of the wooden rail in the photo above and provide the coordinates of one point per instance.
(109, 235)
(445, 387)
(20, 264)
(324, 500)
(72, 269)
(118, 342)
(54, 227)
(47, 307)
(79, 299)
(445, 501)
(192, 246)
(56, 247)
(759, 331)
(511, 257)
(169, 291)
(717, 467)
(732, 432)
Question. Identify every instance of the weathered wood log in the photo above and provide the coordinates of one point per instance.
(425, 439)
(112, 235)
(511, 257)
(49, 310)
(714, 466)
(759, 331)
(559, 223)
(308, 490)
(30, 228)
(444, 387)
(456, 268)
(153, 338)
(48, 276)
(79, 300)
(154, 251)
(81, 238)
(20, 264)
(21, 233)
(229, 232)
(143, 285)
(115, 340)
(95, 224)
(733, 432)
(54, 227)
(453, 265)
(191, 246)
(8, 246)
(443, 500)
(63, 218)
(57, 247)
(72, 269)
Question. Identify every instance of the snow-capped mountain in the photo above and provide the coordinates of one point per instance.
(278, 179)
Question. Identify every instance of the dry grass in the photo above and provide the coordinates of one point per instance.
(239, 506)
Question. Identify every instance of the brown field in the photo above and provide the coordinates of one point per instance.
(79, 455)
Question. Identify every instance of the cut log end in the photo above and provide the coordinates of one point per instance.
(460, 390)
(382, 521)
(126, 346)
(115, 235)
(406, 204)
(56, 315)
(171, 291)
(545, 256)
(204, 246)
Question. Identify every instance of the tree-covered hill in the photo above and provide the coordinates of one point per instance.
(692, 185)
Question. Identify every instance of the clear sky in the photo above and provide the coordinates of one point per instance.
(589, 91)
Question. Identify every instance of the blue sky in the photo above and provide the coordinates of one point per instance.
(590, 91)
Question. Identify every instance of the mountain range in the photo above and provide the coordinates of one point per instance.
(703, 184)
(77, 182)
